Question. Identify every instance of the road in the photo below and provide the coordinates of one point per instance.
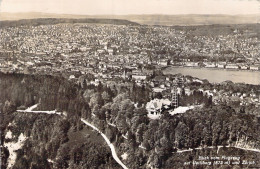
(218, 147)
(111, 146)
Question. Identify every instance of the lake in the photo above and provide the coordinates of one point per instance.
(218, 75)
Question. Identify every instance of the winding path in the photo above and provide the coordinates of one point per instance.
(218, 147)
(30, 110)
(111, 146)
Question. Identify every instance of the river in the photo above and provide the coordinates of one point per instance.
(218, 75)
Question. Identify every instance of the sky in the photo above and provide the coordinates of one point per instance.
(124, 7)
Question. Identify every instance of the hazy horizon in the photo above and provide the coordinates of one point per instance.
(133, 7)
(34, 12)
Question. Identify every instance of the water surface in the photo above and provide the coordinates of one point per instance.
(218, 75)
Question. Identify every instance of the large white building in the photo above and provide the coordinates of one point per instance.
(254, 67)
(139, 77)
(231, 66)
(156, 106)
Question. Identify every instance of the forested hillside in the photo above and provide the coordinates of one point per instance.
(116, 108)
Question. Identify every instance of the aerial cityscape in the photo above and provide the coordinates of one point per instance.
(111, 92)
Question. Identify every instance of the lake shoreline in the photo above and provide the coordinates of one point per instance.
(214, 75)
(237, 70)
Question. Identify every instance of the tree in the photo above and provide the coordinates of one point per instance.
(121, 123)
(158, 95)
(181, 133)
(76, 154)
(62, 158)
(88, 94)
(106, 97)
(120, 97)
(155, 161)
(166, 146)
(96, 99)
(64, 126)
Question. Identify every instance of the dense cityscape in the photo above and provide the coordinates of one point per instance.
(98, 48)
(111, 78)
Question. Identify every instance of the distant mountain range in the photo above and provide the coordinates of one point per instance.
(51, 21)
(168, 20)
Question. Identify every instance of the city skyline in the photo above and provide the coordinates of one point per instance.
(123, 7)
